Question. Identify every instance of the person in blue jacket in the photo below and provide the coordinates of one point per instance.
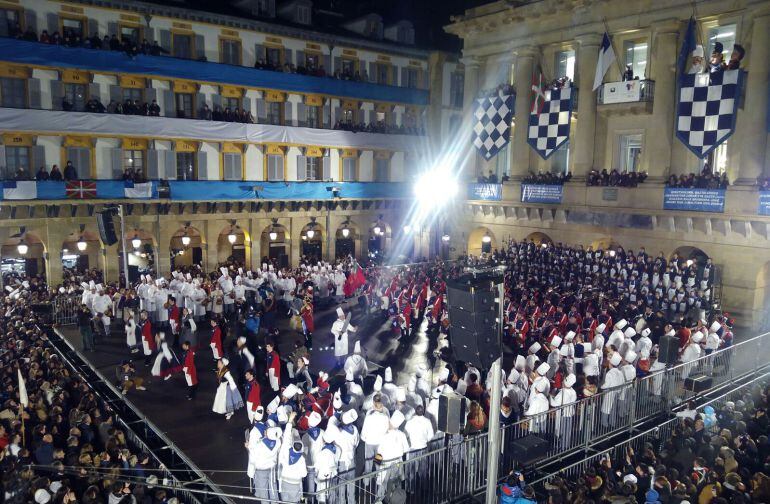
(516, 491)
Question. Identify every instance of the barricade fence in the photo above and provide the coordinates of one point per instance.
(65, 309)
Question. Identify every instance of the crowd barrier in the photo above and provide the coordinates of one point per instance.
(65, 309)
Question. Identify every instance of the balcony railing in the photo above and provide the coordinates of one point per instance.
(633, 91)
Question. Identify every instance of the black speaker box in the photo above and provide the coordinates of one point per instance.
(668, 352)
(529, 449)
(106, 227)
(480, 348)
(472, 298)
(474, 334)
(451, 413)
(698, 383)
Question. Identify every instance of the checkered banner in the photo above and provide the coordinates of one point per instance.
(706, 109)
(492, 130)
(549, 120)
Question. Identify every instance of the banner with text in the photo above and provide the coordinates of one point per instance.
(485, 192)
(764, 202)
(548, 194)
(694, 200)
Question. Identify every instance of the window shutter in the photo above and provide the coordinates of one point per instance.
(84, 163)
(150, 94)
(287, 56)
(200, 100)
(57, 94)
(170, 163)
(247, 105)
(402, 77)
(38, 158)
(337, 64)
(301, 168)
(117, 163)
(372, 72)
(369, 117)
(337, 113)
(300, 58)
(203, 173)
(3, 163)
(112, 28)
(169, 104)
(216, 101)
(327, 63)
(95, 91)
(261, 110)
(165, 40)
(327, 167)
(116, 94)
(53, 23)
(4, 24)
(34, 93)
(30, 20)
(153, 162)
(259, 53)
(288, 121)
(200, 47)
(93, 27)
(362, 67)
(301, 114)
(326, 118)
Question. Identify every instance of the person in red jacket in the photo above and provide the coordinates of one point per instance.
(174, 319)
(190, 373)
(148, 338)
(273, 366)
(216, 340)
(253, 395)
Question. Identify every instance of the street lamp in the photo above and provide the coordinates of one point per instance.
(273, 235)
(22, 247)
(445, 238)
(136, 242)
(82, 245)
(185, 240)
(231, 238)
(345, 232)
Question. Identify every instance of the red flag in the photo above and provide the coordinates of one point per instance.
(79, 189)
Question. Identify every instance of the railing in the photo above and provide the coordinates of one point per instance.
(65, 309)
(633, 91)
(458, 468)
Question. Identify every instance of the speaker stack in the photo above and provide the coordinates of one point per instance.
(668, 351)
(106, 227)
(451, 413)
(472, 320)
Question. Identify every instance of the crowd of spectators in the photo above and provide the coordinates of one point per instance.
(378, 127)
(547, 178)
(704, 180)
(615, 178)
(237, 115)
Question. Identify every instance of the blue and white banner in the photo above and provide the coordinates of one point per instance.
(764, 202)
(549, 121)
(485, 192)
(694, 200)
(132, 190)
(19, 190)
(536, 193)
(492, 130)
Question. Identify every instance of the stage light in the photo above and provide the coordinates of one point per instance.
(434, 188)
(185, 240)
(82, 245)
(407, 229)
(310, 233)
(445, 238)
(22, 248)
(345, 232)
(231, 238)
(273, 235)
(136, 242)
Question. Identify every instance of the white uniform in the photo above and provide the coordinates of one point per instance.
(356, 364)
(376, 424)
(263, 458)
(538, 404)
(614, 378)
(419, 431)
(293, 468)
(340, 338)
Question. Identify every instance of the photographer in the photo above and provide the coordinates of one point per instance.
(516, 491)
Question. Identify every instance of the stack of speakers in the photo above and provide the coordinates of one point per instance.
(106, 227)
(472, 319)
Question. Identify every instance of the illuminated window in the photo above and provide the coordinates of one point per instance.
(636, 55)
(185, 166)
(565, 64)
(724, 34)
(630, 152)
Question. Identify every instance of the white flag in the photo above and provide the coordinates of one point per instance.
(23, 398)
(606, 59)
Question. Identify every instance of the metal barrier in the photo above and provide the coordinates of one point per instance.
(65, 309)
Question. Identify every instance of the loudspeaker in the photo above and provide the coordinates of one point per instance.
(529, 449)
(698, 383)
(668, 352)
(106, 227)
(451, 413)
(472, 316)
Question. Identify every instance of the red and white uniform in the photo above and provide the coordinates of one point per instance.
(148, 339)
(190, 373)
(216, 343)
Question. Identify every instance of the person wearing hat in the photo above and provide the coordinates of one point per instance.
(228, 399)
(391, 450)
(347, 440)
(263, 459)
(327, 461)
(373, 429)
(340, 329)
(420, 432)
(292, 463)
(355, 364)
(613, 379)
(312, 440)
(697, 65)
(565, 413)
(691, 353)
(537, 407)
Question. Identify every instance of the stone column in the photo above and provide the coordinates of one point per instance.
(167, 226)
(585, 134)
(751, 131)
(211, 229)
(520, 150)
(471, 89)
(660, 138)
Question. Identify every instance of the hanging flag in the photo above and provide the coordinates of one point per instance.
(80, 189)
(539, 87)
(688, 45)
(133, 190)
(549, 128)
(606, 59)
(23, 398)
(494, 115)
(19, 190)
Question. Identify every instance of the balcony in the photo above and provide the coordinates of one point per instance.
(634, 97)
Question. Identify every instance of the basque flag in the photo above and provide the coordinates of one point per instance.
(19, 190)
(606, 59)
(80, 189)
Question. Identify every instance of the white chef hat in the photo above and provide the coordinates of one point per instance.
(570, 380)
(697, 337)
(259, 413)
(646, 332)
(534, 347)
(314, 419)
(513, 376)
(543, 368)
(241, 340)
(340, 312)
(283, 415)
(631, 356)
(337, 400)
(378, 383)
(715, 326)
(556, 341)
(569, 336)
(349, 416)
(396, 419)
(520, 362)
(615, 359)
(564, 351)
(388, 375)
(274, 433)
(272, 406)
(290, 391)
(622, 323)
(630, 332)
(601, 327)
(697, 52)
(540, 385)
(357, 347)
(401, 394)
(223, 270)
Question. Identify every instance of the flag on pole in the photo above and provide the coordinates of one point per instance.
(23, 398)
(606, 59)
(539, 86)
(688, 44)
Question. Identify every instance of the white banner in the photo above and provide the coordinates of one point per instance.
(622, 92)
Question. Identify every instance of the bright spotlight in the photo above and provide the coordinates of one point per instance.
(82, 245)
(136, 242)
(435, 187)
(486, 239)
(185, 240)
(310, 233)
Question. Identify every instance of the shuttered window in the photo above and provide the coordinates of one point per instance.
(81, 160)
(185, 165)
(16, 158)
(349, 169)
(13, 92)
(275, 167)
(232, 166)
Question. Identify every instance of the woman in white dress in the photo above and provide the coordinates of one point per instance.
(228, 399)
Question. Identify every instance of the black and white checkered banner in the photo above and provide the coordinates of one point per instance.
(707, 106)
(492, 129)
(549, 120)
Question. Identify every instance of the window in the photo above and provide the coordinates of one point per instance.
(381, 169)
(724, 34)
(565, 64)
(9, 18)
(13, 92)
(133, 160)
(274, 167)
(503, 167)
(454, 125)
(76, 95)
(311, 61)
(636, 55)
(16, 158)
(381, 117)
(184, 105)
(231, 103)
(81, 160)
(185, 166)
(131, 33)
(273, 56)
(718, 159)
(456, 89)
(382, 72)
(232, 166)
(274, 113)
(348, 67)
(373, 28)
(303, 14)
(349, 115)
(630, 152)
(133, 94)
(231, 52)
(262, 8)
(349, 169)
(560, 160)
(314, 169)
(412, 77)
(72, 28)
(182, 45)
(313, 116)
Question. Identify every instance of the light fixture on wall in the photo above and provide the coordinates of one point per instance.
(486, 238)
(377, 230)
(311, 228)
(232, 237)
(185, 240)
(81, 244)
(346, 228)
(136, 242)
(22, 247)
(445, 238)
(273, 234)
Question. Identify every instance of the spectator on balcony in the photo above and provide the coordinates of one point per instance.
(140, 109)
(66, 105)
(30, 35)
(228, 115)
(492, 177)
(95, 106)
(55, 175)
(55, 38)
(154, 110)
(717, 61)
(70, 173)
(736, 57)
(205, 113)
(217, 114)
(96, 42)
(114, 43)
(44, 37)
(628, 73)
(157, 50)
(42, 174)
(21, 174)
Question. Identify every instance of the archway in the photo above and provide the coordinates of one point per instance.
(234, 246)
(347, 240)
(141, 254)
(605, 243)
(312, 238)
(275, 240)
(481, 241)
(379, 240)
(18, 260)
(539, 238)
(80, 251)
(688, 253)
(186, 247)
